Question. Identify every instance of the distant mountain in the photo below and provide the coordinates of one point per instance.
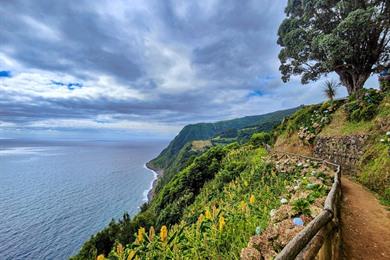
(204, 131)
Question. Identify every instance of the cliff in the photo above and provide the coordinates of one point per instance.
(221, 195)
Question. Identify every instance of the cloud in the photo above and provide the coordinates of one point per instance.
(148, 65)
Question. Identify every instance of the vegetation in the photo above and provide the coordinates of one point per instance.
(330, 89)
(261, 138)
(351, 38)
(233, 206)
(375, 162)
(309, 121)
(217, 196)
(179, 153)
(363, 105)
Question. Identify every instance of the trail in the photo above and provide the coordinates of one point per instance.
(365, 224)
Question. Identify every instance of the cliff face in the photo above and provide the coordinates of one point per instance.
(343, 150)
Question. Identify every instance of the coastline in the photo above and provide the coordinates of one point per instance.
(158, 173)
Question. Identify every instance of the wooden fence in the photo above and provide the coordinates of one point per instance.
(321, 237)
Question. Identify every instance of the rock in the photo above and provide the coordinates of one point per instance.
(283, 201)
(250, 253)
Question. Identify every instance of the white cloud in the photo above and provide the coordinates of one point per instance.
(113, 124)
(25, 86)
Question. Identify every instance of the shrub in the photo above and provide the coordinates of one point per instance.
(301, 206)
(385, 85)
(363, 105)
(258, 139)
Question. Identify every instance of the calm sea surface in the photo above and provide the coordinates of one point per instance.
(54, 196)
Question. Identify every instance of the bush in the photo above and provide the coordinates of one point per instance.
(363, 105)
(301, 206)
(385, 85)
(261, 138)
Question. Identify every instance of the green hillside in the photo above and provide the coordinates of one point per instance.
(225, 194)
(203, 131)
(180, 151)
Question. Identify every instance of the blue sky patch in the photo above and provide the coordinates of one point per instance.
(70, 86)
(255, 93)
(5, 74)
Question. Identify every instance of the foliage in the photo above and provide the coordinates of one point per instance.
(385, 85)
(330, 89)
(182, 190)
(185, 157)
(165, 208)
(363, 105)
(224, 214)
(261, 138)
(301, 206)
(224, 195)
(203, 131)
(350, 38)
(309, 120)
(375, 168)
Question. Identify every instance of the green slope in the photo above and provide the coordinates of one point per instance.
(220, 196)
(203, 131)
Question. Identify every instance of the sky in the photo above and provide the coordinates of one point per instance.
(114, 69)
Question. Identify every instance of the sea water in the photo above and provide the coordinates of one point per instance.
(55, 195)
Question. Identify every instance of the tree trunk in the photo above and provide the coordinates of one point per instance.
(353, 81)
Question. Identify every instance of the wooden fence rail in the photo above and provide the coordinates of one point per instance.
(321, 237)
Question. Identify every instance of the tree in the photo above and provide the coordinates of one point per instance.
(349, 37)
(330, 89)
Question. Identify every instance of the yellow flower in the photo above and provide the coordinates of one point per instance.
(164, 233)
(131, 255)
(100, 257)
(252, 199)
(200, 218)
(119, 249)
(243, 206)
(151, 233)
(221, 223)
(140, 236)
(208, 214)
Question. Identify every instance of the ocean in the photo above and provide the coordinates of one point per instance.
(55, 195)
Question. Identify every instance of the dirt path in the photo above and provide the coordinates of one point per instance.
(365, 224)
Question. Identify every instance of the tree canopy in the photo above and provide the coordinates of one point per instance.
(349, 37)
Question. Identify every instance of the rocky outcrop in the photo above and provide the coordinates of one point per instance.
(344, 150)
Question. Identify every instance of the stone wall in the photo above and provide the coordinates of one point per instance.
(345, 150)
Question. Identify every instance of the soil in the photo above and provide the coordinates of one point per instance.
(365, 224)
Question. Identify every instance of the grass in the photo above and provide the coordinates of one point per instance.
(375, 170)
(341, 127)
